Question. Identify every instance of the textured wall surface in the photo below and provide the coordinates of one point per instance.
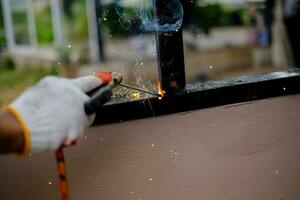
(245, 151)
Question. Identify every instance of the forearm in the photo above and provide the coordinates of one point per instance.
(11, 134)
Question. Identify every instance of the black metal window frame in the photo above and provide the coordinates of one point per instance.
(181, 97)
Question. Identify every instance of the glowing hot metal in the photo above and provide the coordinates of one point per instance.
(161, 92)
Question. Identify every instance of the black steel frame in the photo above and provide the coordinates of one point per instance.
(204, 95)
(170, 55)
(99, 13)
(182, 98)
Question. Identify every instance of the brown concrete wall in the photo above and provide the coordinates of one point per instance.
(248, 151)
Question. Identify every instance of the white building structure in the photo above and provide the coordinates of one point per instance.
(57, 24)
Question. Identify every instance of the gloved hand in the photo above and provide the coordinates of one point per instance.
(51, 113)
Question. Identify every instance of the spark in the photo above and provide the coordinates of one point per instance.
(150, 179)
(152, 145)
(284, 89)
(161, 92)
(50, 183)
(136, 95)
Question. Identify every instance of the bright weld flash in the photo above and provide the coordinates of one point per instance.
(161, 92)
(136, 95)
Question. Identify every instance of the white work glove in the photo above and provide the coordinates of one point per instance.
(53, 111)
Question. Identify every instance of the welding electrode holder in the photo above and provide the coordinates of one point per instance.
(100, 96)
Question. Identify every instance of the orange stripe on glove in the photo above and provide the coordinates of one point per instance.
(26, 133)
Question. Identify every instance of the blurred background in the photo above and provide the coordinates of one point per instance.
(70, 38)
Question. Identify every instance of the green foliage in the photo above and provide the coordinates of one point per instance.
(44, 25)
(214, 15)
(79, 21)
(205, 17)
(12, 83)
(8, 64)
(244, 15)
(209, 16)
(75, 21)
(22, 77)
(68, 7)
(20, 27)
(120, 21)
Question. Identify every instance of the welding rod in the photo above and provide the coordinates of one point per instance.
(139, 89)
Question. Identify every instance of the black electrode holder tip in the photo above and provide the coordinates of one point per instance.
(99, 97)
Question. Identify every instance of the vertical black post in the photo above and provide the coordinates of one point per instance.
(169, 46)
(99, 11)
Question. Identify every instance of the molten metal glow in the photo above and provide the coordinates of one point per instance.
(135, 95)
(161, 92)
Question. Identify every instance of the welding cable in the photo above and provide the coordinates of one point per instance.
(59, 154)
(61, 167)
(26, 133)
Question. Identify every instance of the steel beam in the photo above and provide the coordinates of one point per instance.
(170, 55)
(204, 95)
(99, 13)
